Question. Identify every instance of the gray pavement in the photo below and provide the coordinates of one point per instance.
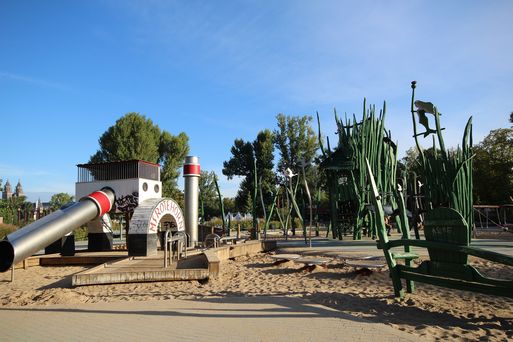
(215, 319)
(368, 246)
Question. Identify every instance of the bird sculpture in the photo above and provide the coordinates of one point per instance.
(423, 120)
(427, 107)
(422, 109)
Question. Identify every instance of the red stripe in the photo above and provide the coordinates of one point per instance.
(103, 201)
(191, 169)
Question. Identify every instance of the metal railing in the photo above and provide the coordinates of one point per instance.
(87, 173)
(180, 239)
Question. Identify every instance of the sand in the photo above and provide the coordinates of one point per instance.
(431, 312)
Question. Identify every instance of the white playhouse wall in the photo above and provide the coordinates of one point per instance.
(146, 188)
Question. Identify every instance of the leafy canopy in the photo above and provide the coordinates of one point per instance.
(134, 136)
(209, 203)
(296, 141)
(493, 167)
(241, 164)
(60, 199)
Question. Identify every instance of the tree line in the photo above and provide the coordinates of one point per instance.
(293, 143)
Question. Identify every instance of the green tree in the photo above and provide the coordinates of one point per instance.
(15, 209)
(209, 202)
(172, 151)
(241, 165)
(60, 199)
(134, 136)
(296, 141)
(229, 205)
(493, 167)
(298, 144)
(263, 148)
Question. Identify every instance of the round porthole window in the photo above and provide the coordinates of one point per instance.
(145, 186)
(157, 189)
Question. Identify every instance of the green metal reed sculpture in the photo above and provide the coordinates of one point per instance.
(346, 169)
(447, 175)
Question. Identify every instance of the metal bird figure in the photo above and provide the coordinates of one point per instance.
(427, 107)
(423, 120)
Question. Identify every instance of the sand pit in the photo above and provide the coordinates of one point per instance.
(431, 312)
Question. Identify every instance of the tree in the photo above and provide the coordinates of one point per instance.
(263, 148)
(511, 117)
(493, 167)
(229, 204)
(15, 209)
(298, 144)
(241, 164)
(209, 203)
(172, 151)
(60, 199)
(296, 141)
(134, 136)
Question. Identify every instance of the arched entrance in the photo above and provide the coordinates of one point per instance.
(146, 220)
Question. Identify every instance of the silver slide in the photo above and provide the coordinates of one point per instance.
(26, 241)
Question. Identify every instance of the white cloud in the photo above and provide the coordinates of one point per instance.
(34, 81)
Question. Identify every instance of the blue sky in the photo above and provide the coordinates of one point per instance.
(220, 70)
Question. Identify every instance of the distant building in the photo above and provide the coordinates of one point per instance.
(7, 192)
(40, 209)
(19, 190)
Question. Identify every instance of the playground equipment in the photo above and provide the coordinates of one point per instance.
(191, 173)
(346, 172)
(28, 240)
(447, 177)
(448, 221)
(132, 188)
(447, 241)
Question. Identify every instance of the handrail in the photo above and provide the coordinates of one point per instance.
(214, 238)
(166, 239)
(181, 238)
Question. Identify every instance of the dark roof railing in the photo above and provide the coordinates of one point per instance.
(117, 170)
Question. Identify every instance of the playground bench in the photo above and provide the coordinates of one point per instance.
(447, 243)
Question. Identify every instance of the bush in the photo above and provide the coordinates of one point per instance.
(6, 229)
(80, 233)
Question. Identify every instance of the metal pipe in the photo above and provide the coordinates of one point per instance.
(26, 241)
(166, 239)
(191, 172)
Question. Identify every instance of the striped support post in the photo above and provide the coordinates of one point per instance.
(191, 172)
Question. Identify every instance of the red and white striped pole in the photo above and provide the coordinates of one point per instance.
(191, 172)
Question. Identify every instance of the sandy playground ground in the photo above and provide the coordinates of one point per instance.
(431, 312)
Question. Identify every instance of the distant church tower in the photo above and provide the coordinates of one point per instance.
(19, 189)
(7, 193)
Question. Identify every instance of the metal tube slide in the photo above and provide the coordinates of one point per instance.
(26, 241)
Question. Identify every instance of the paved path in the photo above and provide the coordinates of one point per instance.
(216, 319)
(368, 247)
